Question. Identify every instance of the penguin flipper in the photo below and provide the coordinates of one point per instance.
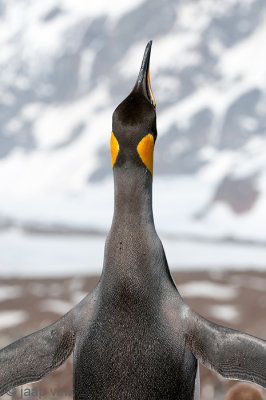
(231, 353)
(32, 357)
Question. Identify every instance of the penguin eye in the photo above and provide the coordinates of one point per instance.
(145, 150)
(114, 148)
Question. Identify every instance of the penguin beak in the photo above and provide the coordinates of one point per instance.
(143, 81)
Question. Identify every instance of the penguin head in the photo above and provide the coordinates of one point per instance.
(134, 124)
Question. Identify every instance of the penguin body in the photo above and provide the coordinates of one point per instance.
(130, 352)
(134, 337)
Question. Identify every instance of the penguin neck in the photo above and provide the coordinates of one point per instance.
(132, 235)
(132, 198)
(134, 257)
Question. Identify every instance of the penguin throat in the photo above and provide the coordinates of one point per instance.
(133, 196)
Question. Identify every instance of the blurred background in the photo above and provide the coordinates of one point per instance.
(65, 66)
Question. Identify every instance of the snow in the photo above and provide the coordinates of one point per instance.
(55, 306)
(9, 292)
(206, 289)
(12, 318)
(39, 256)
(249, 226)
(242, 62)
(112, 9)
(239, 66)
(195, 255)
(227, 313)
(36, 37)
(219, 165)
(56, 122)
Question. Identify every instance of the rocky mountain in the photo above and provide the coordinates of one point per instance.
(66, 65)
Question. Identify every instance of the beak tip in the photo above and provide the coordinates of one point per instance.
(143, 80)
(145, 62)
(148, 47)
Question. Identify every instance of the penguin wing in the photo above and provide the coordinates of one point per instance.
(33, 356)
(231, 353)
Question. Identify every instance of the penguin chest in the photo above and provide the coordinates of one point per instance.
(132, 357)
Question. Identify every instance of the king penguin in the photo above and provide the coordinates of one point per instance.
(133, 336)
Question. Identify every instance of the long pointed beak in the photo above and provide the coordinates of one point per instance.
(143, 81)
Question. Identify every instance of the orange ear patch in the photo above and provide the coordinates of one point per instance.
(145, 150)
(114, 148)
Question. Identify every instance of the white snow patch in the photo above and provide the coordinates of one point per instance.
(25, 36)
(9, 292)
(226, 313)
(207, 289)
(105, 7)
(245, 226)
(242, 62)
(56, 171)
(167, 87)
(37, 256)
(218, 167)
(55, 306)
(191, 255)
(86, 63)
(12, 318)
(56, 123)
